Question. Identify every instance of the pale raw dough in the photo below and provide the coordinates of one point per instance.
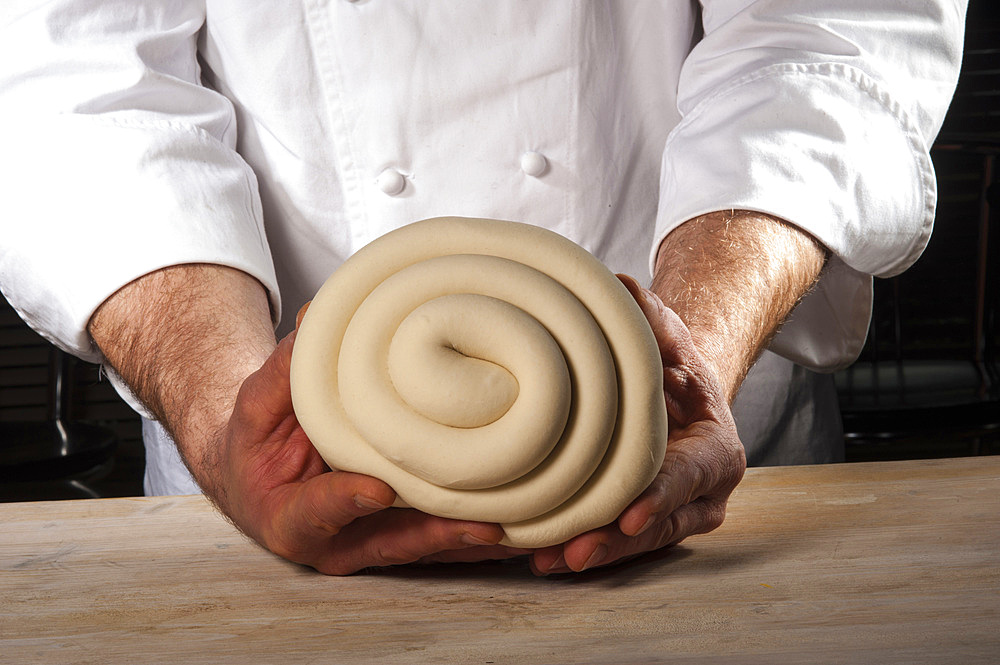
(486, 370)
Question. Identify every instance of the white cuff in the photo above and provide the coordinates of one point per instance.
(130, 197)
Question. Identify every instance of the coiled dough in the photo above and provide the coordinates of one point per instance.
(486, 370)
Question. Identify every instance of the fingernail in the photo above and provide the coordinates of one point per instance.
(648, 523)
(472, 539)
(368, 503)
(626, 279)
(558, 564)
(597, 557)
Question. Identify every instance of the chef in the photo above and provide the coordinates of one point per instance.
(179, 177)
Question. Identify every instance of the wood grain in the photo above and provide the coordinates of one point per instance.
(894, 562)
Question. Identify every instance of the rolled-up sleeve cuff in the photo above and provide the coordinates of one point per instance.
(825, 148)
(130, 197)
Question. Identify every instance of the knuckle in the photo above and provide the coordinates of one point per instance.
(715, 517)
(321, 522)
(400, 550)
(662, 534)
(672, 531)
(393, 556)
(284, 549)
(337, 567)
(656, 496)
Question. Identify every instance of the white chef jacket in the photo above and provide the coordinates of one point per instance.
(278, 138)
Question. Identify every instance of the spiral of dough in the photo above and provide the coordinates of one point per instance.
(486, 370)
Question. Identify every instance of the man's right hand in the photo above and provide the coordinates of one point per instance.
(277, 489)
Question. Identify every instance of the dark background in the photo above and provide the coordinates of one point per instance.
(926, 384)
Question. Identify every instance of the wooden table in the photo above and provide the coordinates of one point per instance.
(870, 563)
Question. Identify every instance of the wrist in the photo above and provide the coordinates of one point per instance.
(733, 277)
(184, 338)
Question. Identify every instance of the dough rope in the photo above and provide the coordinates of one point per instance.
(486, 370)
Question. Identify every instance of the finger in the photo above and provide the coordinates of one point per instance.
(661, 498)
(265, 398)
(682, 478)
(706, 459)
(582, 552)
(473, 554)
(607, 545)
(333, 500)
(686, 479)
(399, 536)
(301, 313)
(548, 559)
(690, 389)
(672, 337)
(309, 513)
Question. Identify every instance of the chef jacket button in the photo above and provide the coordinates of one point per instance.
(533, 163)
(391, 182)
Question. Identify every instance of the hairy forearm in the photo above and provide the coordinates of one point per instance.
(734, 277)
(184, 338)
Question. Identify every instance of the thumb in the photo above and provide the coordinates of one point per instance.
(301, 313)
(673, 339)
(691, 390)
(265, 398)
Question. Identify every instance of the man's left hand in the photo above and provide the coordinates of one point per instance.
(703, 464)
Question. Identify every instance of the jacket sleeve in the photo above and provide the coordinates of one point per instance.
(116, 160)
(822, 114)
